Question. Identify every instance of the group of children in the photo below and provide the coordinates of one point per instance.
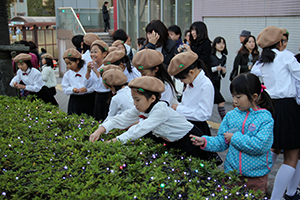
(144, 99)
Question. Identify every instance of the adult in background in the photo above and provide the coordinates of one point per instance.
(105, 12)
(243, 35)
(34, 49)
(175, 34)
(158, 39)
(246, 57)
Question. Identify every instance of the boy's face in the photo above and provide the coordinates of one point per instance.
(173, 36)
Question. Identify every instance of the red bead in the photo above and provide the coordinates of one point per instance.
(121, 167)
(165, 144)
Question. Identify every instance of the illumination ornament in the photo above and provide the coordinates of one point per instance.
(162, 185)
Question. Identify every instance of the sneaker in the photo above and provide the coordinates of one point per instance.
(295, 197)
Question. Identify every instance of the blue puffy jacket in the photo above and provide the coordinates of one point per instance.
(250, 147)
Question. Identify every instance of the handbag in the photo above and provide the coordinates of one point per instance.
(235, 73)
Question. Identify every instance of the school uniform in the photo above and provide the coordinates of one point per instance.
(215, 61)
(102, 95)
(120, 102)
(197, 102)
(49, 78)
(132, 75)
(87, 58)
(33, 80)
(279, 79)
(79, 102)
(168, 95)
(164, 122)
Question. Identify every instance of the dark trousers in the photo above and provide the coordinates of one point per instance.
(107, 26)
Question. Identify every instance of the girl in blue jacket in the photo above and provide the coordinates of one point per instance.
(247, 131)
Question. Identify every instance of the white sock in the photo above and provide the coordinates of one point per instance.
(282, 180)
(295, 181)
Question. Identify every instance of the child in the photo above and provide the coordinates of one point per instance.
(198, 97)
(116, 81)
(150, 63)
(48, 72)
(118, 57)
(279, 70)
(172, 128)
(88, 39)
(99, 50)
(218, 68)
(32, 79)
(247, 131)
(81, 97)
(175, 34)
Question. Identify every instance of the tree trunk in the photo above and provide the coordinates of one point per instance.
(6, 70)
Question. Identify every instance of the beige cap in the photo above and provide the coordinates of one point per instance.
(181, 61)
(22, 57)
(71, 53)
(108, 67)
(284, 31)
(47, 55)
(149, 83)
(89, 38)
(101, 43)
(117, 43)
(113, 57)
(269, 36)
(147, 58)
(114, 77)
(111, 49)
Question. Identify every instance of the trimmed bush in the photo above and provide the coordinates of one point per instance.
(45, 154)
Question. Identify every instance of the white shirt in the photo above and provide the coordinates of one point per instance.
(70, 81)
(120, 102)
(134, 74)
(162, 120)
(128, 49)
(95, 82)
(197, 101)
(33, 80)
(49, 76)
(169, 94)
(279, 76)
(86, 57)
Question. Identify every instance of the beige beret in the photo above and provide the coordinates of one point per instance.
(284, 31)
(117, 43)
(47, 55)
(101, 43)
(269, 36)
(89, 38)
(114, 77)
(149, 83)
(108, 67)
(111, 49)
(147, 58)
(181, 61)
(22, 57)
(113, 57)
(71, 53)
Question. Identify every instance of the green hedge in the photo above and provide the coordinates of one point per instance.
(45, 154)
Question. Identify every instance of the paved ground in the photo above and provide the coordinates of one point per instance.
(215, 121)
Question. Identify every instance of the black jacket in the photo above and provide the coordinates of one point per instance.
(168, 50)
(215, 61)
(105, 13)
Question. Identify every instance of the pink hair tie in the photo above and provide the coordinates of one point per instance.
(262, 88)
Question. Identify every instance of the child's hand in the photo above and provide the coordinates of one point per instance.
(20, 86)
(112, 140)
(228, 136)
(219, 68)
(90, 66)
(75, 90)
(223, 70)
(197, 141)
(15, 84)
(95, 136)
(82, 90)
(174, 106)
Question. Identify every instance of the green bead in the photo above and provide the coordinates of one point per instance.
(141, 90)
(201, 165)
(181, 66)
(69, 54)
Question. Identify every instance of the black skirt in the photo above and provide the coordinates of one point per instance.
(286, 124)
(101, 105)
(79, 104)
(46, 95)
(218, 96)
